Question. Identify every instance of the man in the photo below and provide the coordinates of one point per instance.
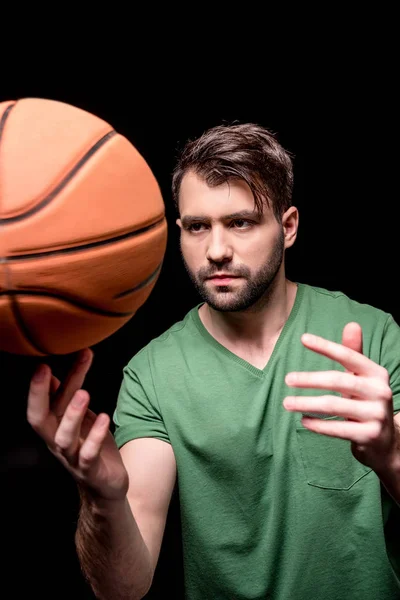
(271, 403)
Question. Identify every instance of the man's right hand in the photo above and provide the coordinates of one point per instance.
(82, 441)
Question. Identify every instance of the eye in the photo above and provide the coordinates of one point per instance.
(241, 224)
(195, 227)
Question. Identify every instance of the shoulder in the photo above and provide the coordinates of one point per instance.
(330, 310)
(165, 345)
(337, 302)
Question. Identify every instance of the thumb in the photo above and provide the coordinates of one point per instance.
(352, 337)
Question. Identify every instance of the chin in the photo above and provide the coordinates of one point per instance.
(223, 305)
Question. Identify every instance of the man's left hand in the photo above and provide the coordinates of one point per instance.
(366, 401)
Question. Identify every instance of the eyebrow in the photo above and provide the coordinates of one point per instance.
(241, 214)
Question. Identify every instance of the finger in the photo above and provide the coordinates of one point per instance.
(88, 422)
(67, 437)
(38, 405)
(358, 433)
(344, 383)
(336, 406)
(73, 382)
(54, 384)
(350, 359)
(352, 337)
(91, 447)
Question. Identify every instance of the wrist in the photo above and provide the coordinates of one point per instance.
(390, 469)
(100, 505)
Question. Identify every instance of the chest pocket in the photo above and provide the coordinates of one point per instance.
(328, 462)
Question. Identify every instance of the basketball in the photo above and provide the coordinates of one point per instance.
(83, 230)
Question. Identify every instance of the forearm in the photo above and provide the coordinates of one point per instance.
(111, 551)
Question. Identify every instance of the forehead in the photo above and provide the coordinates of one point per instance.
(196, 197)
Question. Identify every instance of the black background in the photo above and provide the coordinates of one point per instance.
(334, 112)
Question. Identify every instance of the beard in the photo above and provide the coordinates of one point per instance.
(256, 290)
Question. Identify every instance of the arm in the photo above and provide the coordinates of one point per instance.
(125, 494)
(118, 542)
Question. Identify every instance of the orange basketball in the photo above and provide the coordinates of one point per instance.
(83, 231)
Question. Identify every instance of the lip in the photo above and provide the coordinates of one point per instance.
(222, 279)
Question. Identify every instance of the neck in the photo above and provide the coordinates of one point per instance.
(256, 327)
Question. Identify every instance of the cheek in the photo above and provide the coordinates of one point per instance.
(262, 247)
(192, 253)
(253, 251)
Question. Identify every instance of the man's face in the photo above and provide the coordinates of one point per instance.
(232, 254)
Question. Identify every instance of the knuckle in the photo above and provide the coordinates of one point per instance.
(383, 391)
(70, 416)
(35, 421)
(85, 462)
(380, 414)
(62, 442)
(375, 431)
(335, 379)
(37, 386)
(386, 393)
(328, 402)
(88, 453)
(384, 374)
(357, 386)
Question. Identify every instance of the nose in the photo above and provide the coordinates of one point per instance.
(218, 250)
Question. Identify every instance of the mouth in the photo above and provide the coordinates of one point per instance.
(222, 279)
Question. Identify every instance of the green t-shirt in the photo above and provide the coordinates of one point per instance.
(268, 508)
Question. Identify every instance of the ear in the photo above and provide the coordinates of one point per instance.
(290, 224)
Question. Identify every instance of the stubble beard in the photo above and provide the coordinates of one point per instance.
(252, 295)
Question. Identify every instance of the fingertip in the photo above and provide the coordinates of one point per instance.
(54, 384)
(41, 373)
(352, 336)
(290, 378)
(81, 397)
(103, 419)
(85, 355)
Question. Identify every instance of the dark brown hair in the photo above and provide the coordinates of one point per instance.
(246, 151)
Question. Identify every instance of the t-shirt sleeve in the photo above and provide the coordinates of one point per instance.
(390, 358)
(137, 413)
